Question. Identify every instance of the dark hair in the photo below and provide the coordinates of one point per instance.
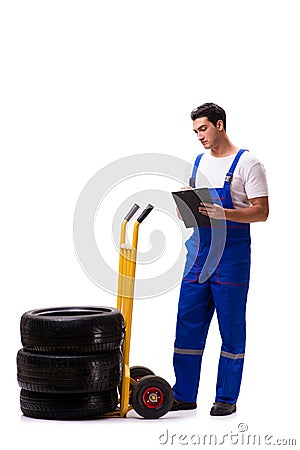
(210, 110)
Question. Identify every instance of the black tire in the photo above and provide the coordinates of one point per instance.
(67, 406)
(68, 373)
(138, 372)
(152, 397)
(72, 330)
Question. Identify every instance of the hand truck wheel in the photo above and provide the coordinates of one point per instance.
(152, 397)
(138, 372)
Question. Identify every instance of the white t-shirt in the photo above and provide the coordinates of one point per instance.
(249, 178)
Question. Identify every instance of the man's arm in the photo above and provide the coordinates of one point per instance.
(257, 212)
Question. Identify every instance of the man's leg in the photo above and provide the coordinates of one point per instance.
(195, 311)
(230, 302)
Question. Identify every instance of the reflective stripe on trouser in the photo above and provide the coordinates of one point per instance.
(197, 303)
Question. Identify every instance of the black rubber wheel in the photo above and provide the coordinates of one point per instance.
(138, 372)
(67, 406)
(40, 372)
(72, 330)
(152, 397)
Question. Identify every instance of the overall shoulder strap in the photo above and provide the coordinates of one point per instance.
(192, 180)
(229, 174)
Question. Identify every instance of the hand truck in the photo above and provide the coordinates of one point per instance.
(149, 395)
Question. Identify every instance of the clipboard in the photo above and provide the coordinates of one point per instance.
(188, 202)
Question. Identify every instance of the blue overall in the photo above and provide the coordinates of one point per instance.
(220, 285)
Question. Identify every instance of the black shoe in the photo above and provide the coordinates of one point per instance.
(183, 406)
(222, 409)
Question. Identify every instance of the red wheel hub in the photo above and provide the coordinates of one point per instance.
(153, 397)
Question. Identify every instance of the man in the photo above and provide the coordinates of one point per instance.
(240, 184)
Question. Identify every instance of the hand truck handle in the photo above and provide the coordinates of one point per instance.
(132, 212)
(145, 213)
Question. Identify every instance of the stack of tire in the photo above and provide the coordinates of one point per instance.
(70, 365)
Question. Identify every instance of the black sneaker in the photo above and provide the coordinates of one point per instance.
(183, 406)
(222, 409)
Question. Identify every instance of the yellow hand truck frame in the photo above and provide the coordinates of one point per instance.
(149, 395)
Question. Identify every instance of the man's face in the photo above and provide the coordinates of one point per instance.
(206, 132)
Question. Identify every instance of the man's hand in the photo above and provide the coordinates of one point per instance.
(212, 210)
(184, 188)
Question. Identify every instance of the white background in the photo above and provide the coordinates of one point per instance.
(84, 83)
